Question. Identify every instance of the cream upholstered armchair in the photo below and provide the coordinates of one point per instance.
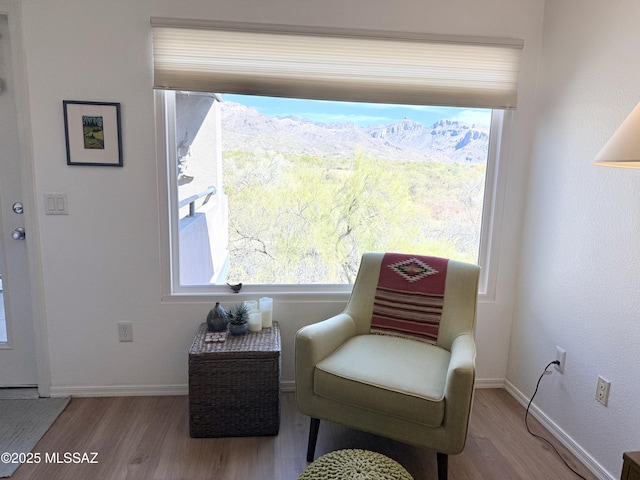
(400, 360)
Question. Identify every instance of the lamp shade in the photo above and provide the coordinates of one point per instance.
(623, 148)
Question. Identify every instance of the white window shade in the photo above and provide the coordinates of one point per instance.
(338, 65)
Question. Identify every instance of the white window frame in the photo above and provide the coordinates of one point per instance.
(495, 187)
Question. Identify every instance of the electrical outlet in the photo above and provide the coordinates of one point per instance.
(602, 391)
(125, 331)
(561, 356)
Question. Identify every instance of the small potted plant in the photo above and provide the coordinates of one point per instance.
(238, 319)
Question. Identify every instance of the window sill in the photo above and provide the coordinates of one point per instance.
(281, 293)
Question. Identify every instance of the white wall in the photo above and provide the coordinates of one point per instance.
(100, 264)
(579, 280)
(578, 262)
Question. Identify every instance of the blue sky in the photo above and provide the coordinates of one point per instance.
(362, 114)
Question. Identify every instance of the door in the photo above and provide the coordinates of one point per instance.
(17, 345)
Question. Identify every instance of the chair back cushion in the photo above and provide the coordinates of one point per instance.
(409, 297)
(458, 307)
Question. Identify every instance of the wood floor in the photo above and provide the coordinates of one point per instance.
(148, 438)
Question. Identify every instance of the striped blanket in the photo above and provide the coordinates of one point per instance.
(409, 297)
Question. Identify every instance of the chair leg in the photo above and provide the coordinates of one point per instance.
(313, 438)
(443, 468)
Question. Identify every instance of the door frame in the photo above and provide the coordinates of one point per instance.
(13, 12)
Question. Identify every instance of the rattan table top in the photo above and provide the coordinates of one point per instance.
(264, 343)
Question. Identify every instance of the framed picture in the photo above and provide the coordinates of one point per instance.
(92, 131)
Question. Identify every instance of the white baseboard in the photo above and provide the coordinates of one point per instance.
(159, 390)
(288, 386)
(138, 390)
(121, 391)
(586, 459)
(489, 383)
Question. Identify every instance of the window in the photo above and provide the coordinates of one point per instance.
(297, 196)
(286, 198)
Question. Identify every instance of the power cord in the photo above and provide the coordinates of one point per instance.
(526, 418)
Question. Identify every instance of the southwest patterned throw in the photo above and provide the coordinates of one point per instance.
(409, 296)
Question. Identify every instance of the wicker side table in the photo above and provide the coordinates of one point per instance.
(234, 386)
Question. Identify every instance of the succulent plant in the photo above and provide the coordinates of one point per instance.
(238, 315)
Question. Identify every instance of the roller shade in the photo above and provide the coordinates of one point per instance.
(350, 65)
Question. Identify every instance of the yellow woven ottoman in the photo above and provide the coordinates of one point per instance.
(354, 465)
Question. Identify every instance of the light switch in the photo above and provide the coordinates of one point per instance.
(55, 204)
(51, 204)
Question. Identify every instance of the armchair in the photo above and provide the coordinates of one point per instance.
(393, 366)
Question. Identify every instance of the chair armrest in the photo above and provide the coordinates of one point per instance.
(459, 386)
(462, 365)
(315, 342)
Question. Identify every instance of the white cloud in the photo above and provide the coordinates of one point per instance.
(481, 117)
(345, 118)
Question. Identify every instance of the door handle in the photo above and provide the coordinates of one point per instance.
(18, 234)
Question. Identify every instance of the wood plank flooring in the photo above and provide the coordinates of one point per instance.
(148, 438)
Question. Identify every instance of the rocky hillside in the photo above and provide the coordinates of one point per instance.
(449, 141)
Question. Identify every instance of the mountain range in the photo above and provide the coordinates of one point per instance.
(247, 129)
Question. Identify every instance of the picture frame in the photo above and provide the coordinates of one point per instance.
(92, 133)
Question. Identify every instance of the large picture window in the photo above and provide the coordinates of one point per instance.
(271, 189)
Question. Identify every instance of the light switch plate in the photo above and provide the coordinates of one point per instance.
(55, 204)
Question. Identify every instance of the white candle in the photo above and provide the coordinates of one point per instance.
(251, 304)
(266, 307)
(255, 320)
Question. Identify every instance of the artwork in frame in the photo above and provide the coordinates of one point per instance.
(92, 131)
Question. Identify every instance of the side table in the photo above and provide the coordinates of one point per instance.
(234, 386)
(631, 466)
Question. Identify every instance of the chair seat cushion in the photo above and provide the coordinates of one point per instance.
(393, 376)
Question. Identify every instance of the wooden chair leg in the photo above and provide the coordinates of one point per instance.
(443, 466)
(313, 438)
